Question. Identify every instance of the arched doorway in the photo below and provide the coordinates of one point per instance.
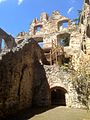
(58, 96)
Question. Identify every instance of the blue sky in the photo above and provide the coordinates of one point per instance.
(16, 15)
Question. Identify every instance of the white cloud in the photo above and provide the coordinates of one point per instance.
(70, 9)
(20, 2)
(2, 1)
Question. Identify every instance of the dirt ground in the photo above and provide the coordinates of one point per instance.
(62, 113)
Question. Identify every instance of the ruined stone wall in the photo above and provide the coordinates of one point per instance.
(9, 41)
(85, 26)
(22, 77)
(47, 25)
(78, 50)
(80, 40)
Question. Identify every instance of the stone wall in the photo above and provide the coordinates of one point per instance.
(61, 77)
(8, 40)
(52, 31)
(85, 26)
(25, 79)
(48, 26)
(21, 82)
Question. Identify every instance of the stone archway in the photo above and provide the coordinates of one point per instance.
(58, 96)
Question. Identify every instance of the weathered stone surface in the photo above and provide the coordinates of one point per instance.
(18, 73)
(9, 41)
(61, 77)
(25, 77)
(41, 90)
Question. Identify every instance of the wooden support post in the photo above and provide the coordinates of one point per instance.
(56, 57)
(50, 57)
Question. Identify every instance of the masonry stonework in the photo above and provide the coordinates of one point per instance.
(33, 75)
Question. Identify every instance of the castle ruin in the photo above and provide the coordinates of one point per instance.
(31, 65)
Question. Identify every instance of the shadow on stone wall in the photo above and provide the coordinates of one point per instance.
(29, 113)
(23, 80)
(41, 95)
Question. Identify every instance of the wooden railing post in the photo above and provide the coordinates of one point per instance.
(50, 57)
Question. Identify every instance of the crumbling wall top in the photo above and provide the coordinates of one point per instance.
(55, 15)
(44, 17)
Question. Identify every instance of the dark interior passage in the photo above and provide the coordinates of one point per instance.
(58, 97)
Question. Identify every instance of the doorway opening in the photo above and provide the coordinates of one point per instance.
(58, 96)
